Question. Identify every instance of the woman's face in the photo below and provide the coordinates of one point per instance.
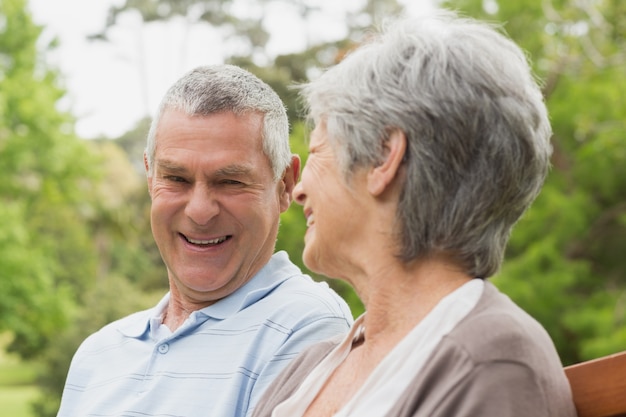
(332, 209)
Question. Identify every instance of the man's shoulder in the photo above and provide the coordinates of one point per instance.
(281, 289)
(113, 330)
(301, 293)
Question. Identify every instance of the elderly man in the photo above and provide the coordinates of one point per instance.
(219, 172)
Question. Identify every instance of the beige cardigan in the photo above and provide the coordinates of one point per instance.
(497, 362)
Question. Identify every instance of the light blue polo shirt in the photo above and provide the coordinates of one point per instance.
(218, 363)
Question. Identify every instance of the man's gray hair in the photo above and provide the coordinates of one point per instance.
(477, 129)
(226, 88)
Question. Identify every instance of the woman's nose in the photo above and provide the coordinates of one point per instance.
(298, 194)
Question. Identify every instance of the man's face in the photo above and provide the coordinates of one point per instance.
(215, 205)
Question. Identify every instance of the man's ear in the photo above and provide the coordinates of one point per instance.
(380, 176)
(288, 182)
(148, 176)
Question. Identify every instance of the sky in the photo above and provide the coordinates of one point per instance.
(111, 85)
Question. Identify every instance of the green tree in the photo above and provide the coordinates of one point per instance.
(73, 249)
(565, 264)
(217, 13)
(45, 174)
(129, 274)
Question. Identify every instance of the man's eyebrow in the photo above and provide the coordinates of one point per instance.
(236, 169)
(230, 170)
(170, 166)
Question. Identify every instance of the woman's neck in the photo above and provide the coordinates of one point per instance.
(399, 297)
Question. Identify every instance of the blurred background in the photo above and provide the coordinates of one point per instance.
(79, 81)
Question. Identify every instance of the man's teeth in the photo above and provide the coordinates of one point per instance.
(310, 220)
(207, 242)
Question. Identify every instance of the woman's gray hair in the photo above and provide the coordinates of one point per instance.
(226, 88)
(476, 124)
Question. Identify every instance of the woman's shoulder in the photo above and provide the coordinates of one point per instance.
(496, 358)
(498, 330)
(293, 375)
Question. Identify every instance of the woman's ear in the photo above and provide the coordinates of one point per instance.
(288, 182)
(380, 176)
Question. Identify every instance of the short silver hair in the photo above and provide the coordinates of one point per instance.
(476, 124)
(214, 89)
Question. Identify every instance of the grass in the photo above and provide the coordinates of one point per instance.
(16, 373)
(17, 389)
(15, 401)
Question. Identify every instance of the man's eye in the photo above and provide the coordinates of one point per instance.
(174, 178)
(232, 182)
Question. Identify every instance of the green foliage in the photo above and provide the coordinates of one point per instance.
(128, 275)
(565, 262)
(121, 222)
(45, 174)
(17, 390)
(13, 371)
(16, 400)
(216, 13)
(73, 216)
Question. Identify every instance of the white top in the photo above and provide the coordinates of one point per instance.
(394, 373)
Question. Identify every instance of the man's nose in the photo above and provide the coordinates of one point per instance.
(202, 205)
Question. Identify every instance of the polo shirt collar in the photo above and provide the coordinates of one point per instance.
(276, 271)
(137, 324)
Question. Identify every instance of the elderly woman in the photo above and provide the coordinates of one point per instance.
(430, 141)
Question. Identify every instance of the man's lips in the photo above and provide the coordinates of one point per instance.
(206, 242)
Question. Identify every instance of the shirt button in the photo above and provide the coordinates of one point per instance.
(164, 348)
